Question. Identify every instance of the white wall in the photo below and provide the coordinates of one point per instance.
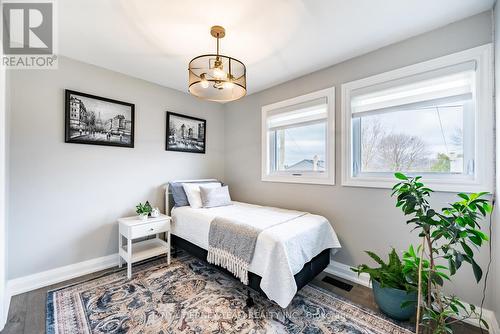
(65, 198)
(365, 219)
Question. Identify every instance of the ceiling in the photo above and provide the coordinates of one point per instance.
(278, 40)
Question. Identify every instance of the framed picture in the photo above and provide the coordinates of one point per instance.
(97, 120)
(185, 133)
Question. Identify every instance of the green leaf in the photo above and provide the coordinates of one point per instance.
(476, 240)
(488, 208)
(400, 176)
(453, 268)
(481, 235)
(482, 210)
(459, 303)
(467, 249)
(411, 250)
(478, 272)
(375, 257)
(443, 275)
(458, 260)
(437, 279)
(473, 196)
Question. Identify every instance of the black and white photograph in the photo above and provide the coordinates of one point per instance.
(97, 120)
(185, 133)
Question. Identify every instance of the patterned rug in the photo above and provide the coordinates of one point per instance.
(190, 296)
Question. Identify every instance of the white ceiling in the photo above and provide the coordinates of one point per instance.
(278, 40)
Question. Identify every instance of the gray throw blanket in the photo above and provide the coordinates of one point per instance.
(231, 243)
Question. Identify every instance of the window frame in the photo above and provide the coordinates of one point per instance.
(484, 124)
(328, 177)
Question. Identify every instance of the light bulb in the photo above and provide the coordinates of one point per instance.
(219, 73)
(228, 85)
(204, 82)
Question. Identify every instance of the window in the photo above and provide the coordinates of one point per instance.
(297, 139)
(433, 119)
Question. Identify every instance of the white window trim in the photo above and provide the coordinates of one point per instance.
(484, 130)
(329, 178)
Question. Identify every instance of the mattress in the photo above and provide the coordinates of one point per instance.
(280, 252)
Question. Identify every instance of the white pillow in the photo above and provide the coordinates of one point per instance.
(193, 192)
(213, 197)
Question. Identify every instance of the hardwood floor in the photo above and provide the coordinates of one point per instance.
(27, 310)
(363, 296)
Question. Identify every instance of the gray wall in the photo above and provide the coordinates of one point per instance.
(496, 224)
(65, 198)
(3, 190)
(365, 219)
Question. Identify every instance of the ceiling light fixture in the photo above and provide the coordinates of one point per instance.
(215, 77)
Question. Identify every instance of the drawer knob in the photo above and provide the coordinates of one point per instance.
(151, 229)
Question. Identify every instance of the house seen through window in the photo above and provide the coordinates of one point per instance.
(300, 148)
(298, 140)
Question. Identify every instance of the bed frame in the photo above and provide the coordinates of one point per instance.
(310, 270)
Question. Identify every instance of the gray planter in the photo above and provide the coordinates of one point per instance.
(389, 301)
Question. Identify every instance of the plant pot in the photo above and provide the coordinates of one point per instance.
(143, 216)
(389, 301)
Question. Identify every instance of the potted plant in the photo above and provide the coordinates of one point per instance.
(394, 285)
(448, 239)
(143, 210)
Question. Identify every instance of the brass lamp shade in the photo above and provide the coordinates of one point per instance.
(216, 77)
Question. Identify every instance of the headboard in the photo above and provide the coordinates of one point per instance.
(169, 200)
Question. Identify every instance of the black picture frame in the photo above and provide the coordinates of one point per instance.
(192, 140)
(90, 127)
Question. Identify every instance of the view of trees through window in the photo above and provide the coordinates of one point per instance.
(428, 139)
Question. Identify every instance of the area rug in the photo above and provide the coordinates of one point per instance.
(191, 296)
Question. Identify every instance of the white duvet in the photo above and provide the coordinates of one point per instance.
(281, 251)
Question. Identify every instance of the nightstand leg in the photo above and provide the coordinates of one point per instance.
(168, 241)
(120, 243)
(129, 261)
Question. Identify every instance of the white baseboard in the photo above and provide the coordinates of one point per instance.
(490, 318)
(45, 278)
(344, 271)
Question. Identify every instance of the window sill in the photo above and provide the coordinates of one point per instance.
(455, 186)
(299, 179)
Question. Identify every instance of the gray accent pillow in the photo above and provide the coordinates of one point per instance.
(213, 197)
(178, 193)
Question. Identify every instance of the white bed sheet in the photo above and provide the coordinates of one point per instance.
(281, 251)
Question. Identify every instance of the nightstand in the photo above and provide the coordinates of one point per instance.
(132, 228)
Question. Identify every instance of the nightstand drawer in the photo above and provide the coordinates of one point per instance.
(143, 230)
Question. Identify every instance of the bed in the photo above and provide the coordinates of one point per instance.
(287, 256)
